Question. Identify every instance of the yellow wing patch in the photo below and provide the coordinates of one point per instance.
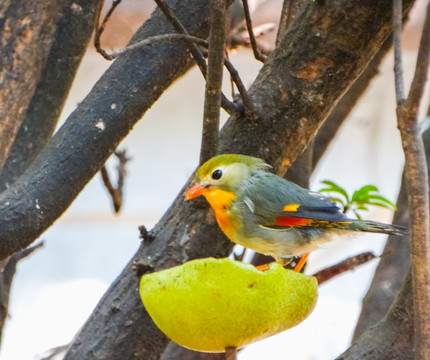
(291, 207)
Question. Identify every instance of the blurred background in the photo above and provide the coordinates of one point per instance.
(57, 287)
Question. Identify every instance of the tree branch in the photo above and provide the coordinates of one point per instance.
(8, 270)
(116, 192)
(416, 174)
(397, 41)
(230, 353)
(32, 204)
(100, 29)
(284, 21)
(71, 40)
(257, 53)
(213, 88)
(195, 51)
(32, 26)
(292, 101)
(392, 338)
(345, 265)
(348, 101)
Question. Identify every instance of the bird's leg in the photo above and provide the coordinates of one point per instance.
(263, 267)
(301, 263)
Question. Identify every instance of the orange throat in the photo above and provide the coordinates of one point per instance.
(220, 201)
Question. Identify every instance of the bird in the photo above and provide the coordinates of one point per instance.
(270, 215)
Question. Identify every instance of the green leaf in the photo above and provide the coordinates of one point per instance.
(362, 207)
(356, 214)
(384, 205)
(333, 187)
(382, 199)
(368, 188)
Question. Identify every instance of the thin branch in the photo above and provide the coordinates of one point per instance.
(153, 40)
(116, 193)
(421, 70)
(250, 109)
(101, 28)
(7, 273)
(345, 265)
(226, 104)
(416, 173)
(213, 88)
(284, 21)
(199, 57)
(257, 53)
(397, 41)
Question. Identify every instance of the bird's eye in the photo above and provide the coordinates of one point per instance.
(216, 175)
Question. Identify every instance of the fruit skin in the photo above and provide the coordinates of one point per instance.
(210, 304)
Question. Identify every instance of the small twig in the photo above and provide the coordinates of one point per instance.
(284, 21)
(101, 28)
(242, 38)
(199, 57)
(397, 41)
(153, 40)
(226, 104)
(230, 353)
(233, 94)
(257, 53)
(116, 193)
(345, 265)
(7, 273)
(250, 110)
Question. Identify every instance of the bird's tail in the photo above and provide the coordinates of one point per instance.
(377, 227)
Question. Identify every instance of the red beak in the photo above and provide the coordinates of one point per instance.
(195, 191)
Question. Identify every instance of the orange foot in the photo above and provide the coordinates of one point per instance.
(263, 267)
(301, 263)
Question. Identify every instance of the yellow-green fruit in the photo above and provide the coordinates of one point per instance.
(211, 304)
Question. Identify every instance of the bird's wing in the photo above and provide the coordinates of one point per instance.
(278, 203)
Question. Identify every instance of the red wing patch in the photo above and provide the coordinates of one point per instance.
(293, 221)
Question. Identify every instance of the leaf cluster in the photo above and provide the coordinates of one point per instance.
(360, 199)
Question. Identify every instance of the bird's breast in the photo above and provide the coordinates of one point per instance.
(220, 201)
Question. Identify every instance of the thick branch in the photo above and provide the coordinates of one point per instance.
(96, 127)
(71, 40)
(345, 105)
(26, 34)
(392, 338)
(297, 89)
(390, 273)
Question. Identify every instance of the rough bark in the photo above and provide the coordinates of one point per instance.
(129, 87)
(345, 105)
(27, 31)
(213, 88)
(316, 62)
(390, 273)
(391, 338)
(416, 177)
(71, 39)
